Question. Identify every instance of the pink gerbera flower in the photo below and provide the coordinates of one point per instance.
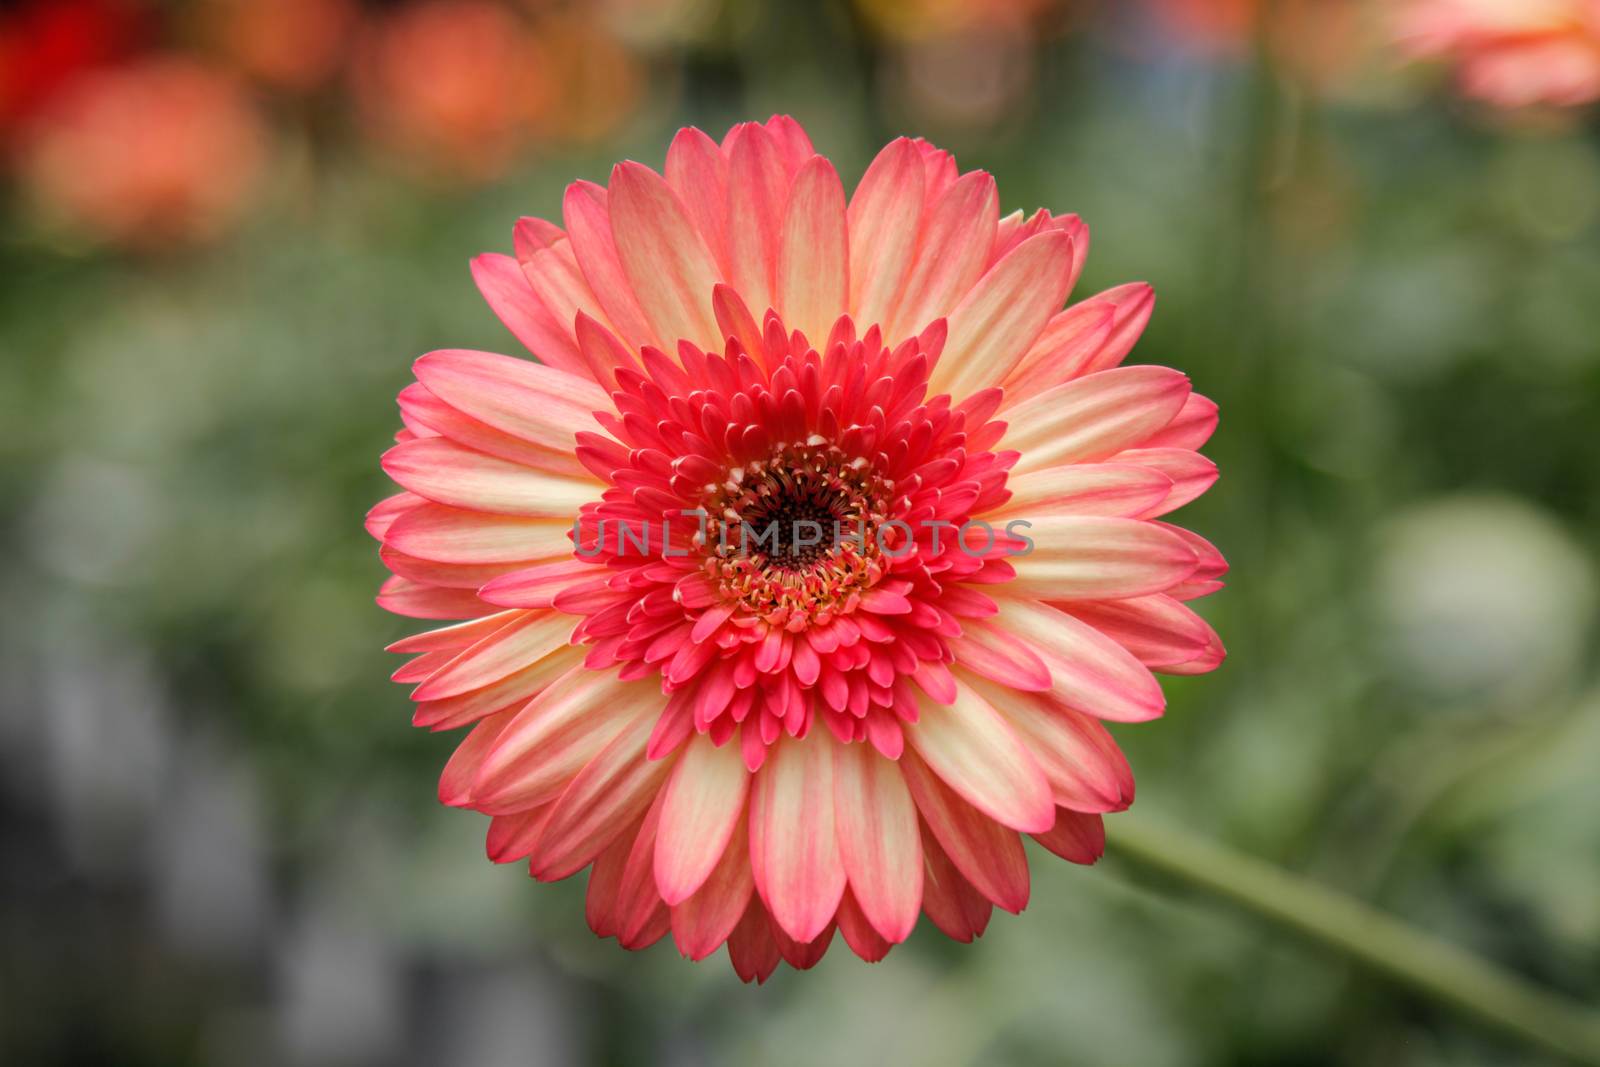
(854, 717)
(1510, 53)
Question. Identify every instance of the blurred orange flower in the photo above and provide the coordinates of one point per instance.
(165, 151)
(594, 79)
(914, 19)
(292, 45)
(453, 85)
(1510, 53)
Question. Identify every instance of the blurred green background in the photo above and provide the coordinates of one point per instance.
(220, 838)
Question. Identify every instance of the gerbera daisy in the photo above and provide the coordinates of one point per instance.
(800, 575)
(1510, 53)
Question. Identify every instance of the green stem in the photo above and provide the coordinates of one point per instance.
(1385, 944)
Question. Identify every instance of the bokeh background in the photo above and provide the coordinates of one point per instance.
(229, 226)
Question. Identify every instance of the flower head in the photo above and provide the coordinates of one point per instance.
(799, 578)
(1511, 53)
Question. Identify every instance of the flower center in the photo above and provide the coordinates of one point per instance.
(795, 535)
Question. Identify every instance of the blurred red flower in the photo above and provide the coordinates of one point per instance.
(44, 44)
(161, 152)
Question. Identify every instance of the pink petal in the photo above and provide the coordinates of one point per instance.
(813, 280)
(794, 848)
(1190, 472)
(1094, 417)
(512, 299)
(878, 840)
(1076, 837)
(1190, 428)
(665, 260)
(541, 405)
(883, 217)
(859, 933)
(402, 596)
(973, 750)
(1120, 488)
(1089, 671)
(952, 249)
(605, 878)
(423, 411)
(1085, 768)
(1067, 345)
(512, 837)
(446, 473)
(705, 920)
(959, 911)
(450, 535)
(588, 217)
(537, 586)
(1133, 304)
(456, 637)
(996, 654)
(698, 172)
(556, 734)
(511, 691)
(455, 782)
(705, 801)
(986, 853)
(752, 949)
(1156, 629)
(1077, 557)
(519, 644)
(758, 191)
(1001, 317)
(1208, 659)
(382, 515)
(611, 791)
